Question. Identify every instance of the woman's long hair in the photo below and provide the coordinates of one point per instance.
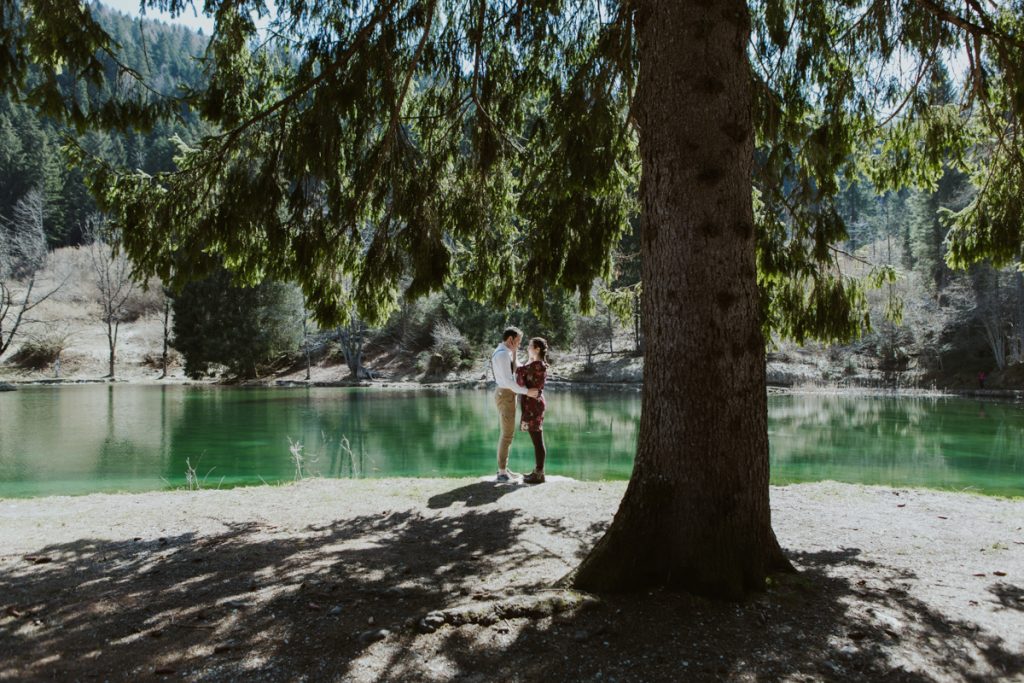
(542, 347)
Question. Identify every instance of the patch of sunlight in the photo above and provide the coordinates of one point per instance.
(183, 585)
(131, 638)
(47, 660)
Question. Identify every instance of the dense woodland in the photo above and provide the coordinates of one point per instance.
(932, 325)
(31, 155)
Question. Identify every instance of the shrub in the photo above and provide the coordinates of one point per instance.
(591, 333)
(142, 303)
(451, 345)
(38, 354)
(155, 359)
(422, 361)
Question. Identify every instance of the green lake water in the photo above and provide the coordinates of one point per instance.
(84, 439)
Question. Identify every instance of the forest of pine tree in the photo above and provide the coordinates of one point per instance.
(30, 146)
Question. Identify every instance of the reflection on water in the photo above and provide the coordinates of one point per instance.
(948, 443)
(104, 438)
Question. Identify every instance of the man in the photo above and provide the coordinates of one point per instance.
(503, 364)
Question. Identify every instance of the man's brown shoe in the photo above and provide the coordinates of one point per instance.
(534, 478)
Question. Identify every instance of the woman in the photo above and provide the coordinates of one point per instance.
(532, 376)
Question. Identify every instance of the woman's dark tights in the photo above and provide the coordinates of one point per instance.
(539, 450)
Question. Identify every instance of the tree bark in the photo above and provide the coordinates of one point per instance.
(112, 342)
(305, 341)
(637, 340)
(695, 515)
(1018, 317)
(167, 316)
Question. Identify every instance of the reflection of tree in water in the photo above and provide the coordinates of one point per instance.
(940, 442)
(129, 456)
(244, 434)
(599, 432)
(1006, 448)
(81, 439)
(239, 434)
(389, 433)
(455, 434)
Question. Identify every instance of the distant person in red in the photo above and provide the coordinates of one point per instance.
(981, 379)
(532, 376)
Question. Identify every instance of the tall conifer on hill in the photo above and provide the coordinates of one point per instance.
(495, 144)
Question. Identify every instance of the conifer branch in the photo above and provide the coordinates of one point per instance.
(985, 29)
(361, 36)
(389, 134)
(924, 68)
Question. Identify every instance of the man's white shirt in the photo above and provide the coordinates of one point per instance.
(501, 365)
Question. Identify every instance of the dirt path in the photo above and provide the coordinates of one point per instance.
(443, 580)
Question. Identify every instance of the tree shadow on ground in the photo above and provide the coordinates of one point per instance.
(1008, 595)
(257, 603)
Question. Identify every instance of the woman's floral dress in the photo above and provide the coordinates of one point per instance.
(532, 376)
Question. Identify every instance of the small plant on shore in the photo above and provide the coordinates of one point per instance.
(191, 480)
(295, 448)
(422, 361)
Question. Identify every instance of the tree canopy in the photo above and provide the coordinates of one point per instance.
(360, 141)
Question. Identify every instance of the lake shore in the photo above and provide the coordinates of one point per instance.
(1016, 395)
(333, 579)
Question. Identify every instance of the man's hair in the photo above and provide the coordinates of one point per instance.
(511, 332)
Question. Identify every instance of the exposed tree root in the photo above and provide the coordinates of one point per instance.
(534, 606)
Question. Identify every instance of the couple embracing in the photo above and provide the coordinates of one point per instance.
(527, 380)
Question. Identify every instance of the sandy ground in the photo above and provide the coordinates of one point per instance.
(450, 580)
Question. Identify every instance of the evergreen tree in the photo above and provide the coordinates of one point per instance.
(929, 227)
(244, 328)
(950, 194)
(857, 206)
(483, 324)
(496, 145)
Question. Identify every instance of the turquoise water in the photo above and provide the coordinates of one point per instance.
(83, 439)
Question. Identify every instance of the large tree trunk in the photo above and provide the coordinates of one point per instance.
(695, 515)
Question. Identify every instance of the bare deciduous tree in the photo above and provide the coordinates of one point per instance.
(305, 340)
(351, 338)
(165, 294)
(114, 282)
(22, 257)
(993, 312)
(1016, 341)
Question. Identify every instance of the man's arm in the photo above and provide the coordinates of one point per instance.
(501, 363)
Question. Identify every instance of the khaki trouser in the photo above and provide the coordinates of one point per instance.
(505, 399)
